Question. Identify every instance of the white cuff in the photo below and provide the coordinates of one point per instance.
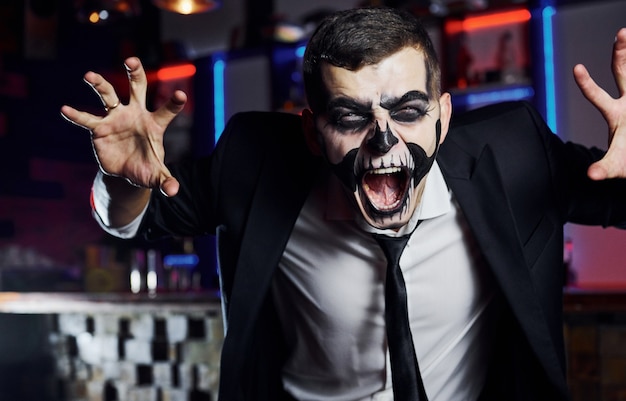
(100, 200)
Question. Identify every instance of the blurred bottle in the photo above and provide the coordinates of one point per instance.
(570, 277)
(155, 280)
(137, 271)
(181, 269)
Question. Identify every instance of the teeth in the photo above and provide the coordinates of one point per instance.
(390, 207)
(387, 170)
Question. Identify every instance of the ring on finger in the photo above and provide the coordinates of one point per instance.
(109, 108)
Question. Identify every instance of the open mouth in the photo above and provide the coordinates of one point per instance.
(386, 189)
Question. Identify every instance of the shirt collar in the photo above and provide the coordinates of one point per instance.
(436, 201)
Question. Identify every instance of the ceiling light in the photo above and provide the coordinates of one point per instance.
(187, 6)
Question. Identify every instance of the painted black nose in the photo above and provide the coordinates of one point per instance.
(382, 141)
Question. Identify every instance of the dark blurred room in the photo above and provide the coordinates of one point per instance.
(84, 316)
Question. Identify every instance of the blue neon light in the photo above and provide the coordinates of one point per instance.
(548, 57)
(300, 51)
(183, 260)
(503, 95)
(218, 97)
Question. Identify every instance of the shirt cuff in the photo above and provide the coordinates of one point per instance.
(100, 200)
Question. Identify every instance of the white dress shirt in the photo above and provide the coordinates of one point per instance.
(100, 202)
(329, 291)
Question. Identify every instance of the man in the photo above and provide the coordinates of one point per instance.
(300, 205)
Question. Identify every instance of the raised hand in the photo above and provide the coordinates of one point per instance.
(613, 165)
(128, 140)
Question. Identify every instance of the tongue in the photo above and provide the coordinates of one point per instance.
(384, 189)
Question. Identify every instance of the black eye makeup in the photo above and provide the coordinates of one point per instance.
(349, 121)
(409, 108)
(409, 114)
(348, 115)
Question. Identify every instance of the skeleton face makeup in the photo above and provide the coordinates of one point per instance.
(380, 133)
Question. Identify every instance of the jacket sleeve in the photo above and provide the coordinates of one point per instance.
(217, 190)
(584, 200)
(529, 153)
(192, 211)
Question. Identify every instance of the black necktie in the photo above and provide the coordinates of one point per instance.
(405, 373)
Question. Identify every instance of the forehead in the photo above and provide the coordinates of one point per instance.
(394, 76)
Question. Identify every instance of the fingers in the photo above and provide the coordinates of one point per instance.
(82, 119)
(607, 168)
(137, 80)
(613, 164)
(619, 61)
(597, 171)
(166, 113)
(169, 187)
(103, 89)
(594, 93)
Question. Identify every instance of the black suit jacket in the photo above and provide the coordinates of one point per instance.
(516, 182)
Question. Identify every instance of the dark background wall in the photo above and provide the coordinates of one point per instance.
(46, 164)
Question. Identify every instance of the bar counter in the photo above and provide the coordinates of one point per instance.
(45, 302)
(594, 300)
(126, 347)
(595, 341)
(110, 347)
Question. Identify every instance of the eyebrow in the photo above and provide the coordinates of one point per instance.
(389, 103)
(349, 103)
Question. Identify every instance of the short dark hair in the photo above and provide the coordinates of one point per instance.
(358, 37)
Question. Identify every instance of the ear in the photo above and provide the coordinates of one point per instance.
(310, 132)
(445, 110)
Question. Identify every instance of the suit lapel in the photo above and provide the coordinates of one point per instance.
(478, 188)
(279, 196)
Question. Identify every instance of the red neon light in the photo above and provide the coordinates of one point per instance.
(176, 72)
(487, 21)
